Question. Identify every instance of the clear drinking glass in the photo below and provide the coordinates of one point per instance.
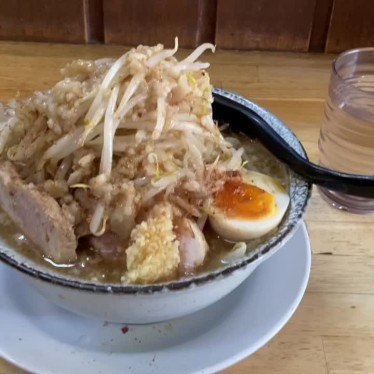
(347, 134)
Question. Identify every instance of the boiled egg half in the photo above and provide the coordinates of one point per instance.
(249, 207)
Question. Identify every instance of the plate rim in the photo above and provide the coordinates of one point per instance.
(272, 333)
(254, 347)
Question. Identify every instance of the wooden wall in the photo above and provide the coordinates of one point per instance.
(287, 25)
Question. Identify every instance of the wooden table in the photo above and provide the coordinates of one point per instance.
(333, 329)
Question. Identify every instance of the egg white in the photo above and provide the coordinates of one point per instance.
(244, 229)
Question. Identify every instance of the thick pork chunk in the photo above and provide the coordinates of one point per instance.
(38, 215)
(193, 247)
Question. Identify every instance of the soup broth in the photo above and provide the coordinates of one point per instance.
(93, 267)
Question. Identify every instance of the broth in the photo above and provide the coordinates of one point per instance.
(91, 266)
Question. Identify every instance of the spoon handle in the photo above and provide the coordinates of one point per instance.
(245, 120)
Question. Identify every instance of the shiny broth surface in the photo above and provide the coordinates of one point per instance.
(93, 267)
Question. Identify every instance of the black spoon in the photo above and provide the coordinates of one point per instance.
(247, 121)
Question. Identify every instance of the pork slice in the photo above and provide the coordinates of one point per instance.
(38, 215)
(193, 247)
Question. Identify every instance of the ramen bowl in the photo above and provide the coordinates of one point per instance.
(142, 304)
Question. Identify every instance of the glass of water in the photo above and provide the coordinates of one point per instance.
(347, 134)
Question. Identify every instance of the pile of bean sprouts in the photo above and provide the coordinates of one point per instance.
(146, 110)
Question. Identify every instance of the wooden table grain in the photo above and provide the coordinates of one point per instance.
(333, 329)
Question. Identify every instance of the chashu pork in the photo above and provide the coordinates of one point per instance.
(38, 215)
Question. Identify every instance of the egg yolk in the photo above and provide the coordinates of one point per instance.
(245, 201)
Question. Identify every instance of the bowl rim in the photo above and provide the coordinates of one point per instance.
(175, 285)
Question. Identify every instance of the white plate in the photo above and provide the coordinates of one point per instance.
(42, 338)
